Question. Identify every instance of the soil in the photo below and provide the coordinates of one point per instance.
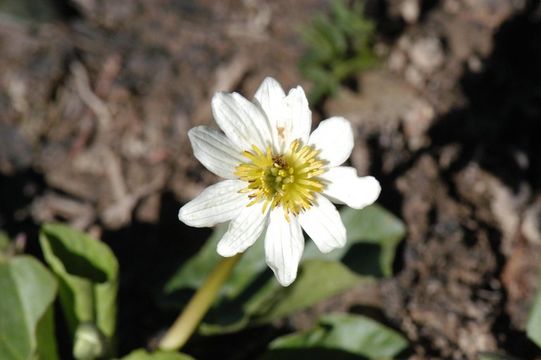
(96, 105)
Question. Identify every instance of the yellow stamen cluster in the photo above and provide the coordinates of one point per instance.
(289, 180)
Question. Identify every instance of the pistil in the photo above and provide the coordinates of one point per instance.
(289, 180)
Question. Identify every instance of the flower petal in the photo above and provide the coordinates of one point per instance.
(243, 231)
(242, 121)
(323, 224)
(300, 116)
(334, 137)
(284, 244)
(345, 187)
(215, 151)
(289, 116)
(218, 203)
(270, 96)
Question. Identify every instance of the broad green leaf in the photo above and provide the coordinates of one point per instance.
(27, 292)
(316, 281)
(252, 296)
(373, 234)
(142, 354)
(4, 241)
(88, 275)
(376, 226)
(4, 246)
(533, 327)
(194, 272)
(353, 334)
(45, 336)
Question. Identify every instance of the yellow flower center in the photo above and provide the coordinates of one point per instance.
(289, 180)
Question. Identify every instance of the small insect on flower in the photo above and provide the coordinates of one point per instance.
(280, 178)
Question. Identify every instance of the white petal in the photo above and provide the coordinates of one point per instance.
(218, 203)
(345, 187)
(323, 224)
(243, 122)
(300, 116)
(243, 231)
(215, 151)
(271, 98)
(284, 244)
(334, 137)
(289, 116)
(270, 95)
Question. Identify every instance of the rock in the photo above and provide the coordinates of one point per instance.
(384, 99)
(397, 60)
(427, 54)
(417, 121)
(410, 11)
(414, 76)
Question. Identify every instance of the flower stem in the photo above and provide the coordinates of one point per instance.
(193, 313)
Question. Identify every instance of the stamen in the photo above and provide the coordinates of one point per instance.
(288, 180)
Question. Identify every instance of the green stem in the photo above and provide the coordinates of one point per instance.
(193, 313)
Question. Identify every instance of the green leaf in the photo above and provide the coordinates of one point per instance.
(4, 241)
(353, 334)
(374, 226)
(346, 68)
(142, 354)
(26, 328)
(373, 234)
(533, 327)
(325, 83)
(322, 48)
(194, 272)
(4, 246)
(45, 336)
(252, 296)
(339, 44)
(88, 275)
(332, 36)
(317, 280)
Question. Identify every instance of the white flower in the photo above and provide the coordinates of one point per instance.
(280, 177)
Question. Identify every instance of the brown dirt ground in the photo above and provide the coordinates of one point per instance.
(95, 109)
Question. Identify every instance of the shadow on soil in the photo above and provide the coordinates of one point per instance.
(500, 125)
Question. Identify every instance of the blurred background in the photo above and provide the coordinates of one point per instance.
(97, 96)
